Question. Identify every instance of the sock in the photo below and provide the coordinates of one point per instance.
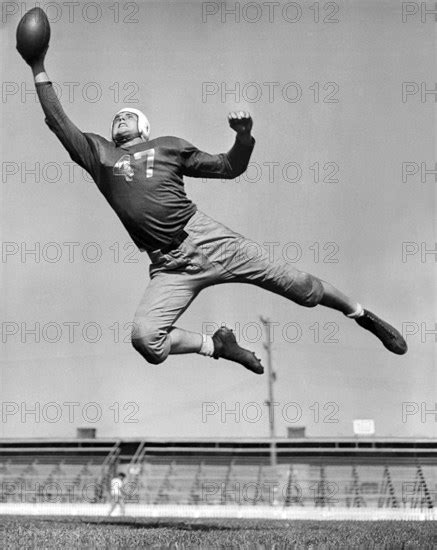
(357, 313)
(207, 347)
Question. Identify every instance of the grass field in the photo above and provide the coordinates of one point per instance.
(123, 533)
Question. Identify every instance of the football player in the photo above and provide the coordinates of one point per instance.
(142, 180)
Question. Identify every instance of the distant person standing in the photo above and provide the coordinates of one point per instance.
(117, 495)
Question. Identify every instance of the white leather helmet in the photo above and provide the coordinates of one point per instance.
(143, 122)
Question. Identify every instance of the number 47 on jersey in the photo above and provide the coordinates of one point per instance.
(123, 166)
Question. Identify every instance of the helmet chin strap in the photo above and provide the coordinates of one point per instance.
(125, 139)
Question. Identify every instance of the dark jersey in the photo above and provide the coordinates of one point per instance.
(143, 183)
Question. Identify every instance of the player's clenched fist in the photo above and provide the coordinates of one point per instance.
(241, 122)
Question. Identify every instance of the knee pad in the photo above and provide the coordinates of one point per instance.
(152, 346)
(310, 290)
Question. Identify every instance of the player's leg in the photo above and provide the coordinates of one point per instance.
(202, 250)
(154, 335)
(217, 246)
(250, 263)
(168, 295)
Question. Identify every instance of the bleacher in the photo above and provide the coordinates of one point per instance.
(55, 473)
(301, 474)
(51, 480)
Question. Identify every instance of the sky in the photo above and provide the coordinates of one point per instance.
(344, 122)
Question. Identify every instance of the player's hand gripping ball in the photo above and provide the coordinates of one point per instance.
(33, 35)
(241, 122)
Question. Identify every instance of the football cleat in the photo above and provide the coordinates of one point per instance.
(389, 336)
(226, 347)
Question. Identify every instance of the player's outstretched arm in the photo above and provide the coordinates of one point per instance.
(70, 136)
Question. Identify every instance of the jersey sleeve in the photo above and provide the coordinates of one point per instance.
(199, 164)
(78, 144)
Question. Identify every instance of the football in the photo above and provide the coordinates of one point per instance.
(33, 34)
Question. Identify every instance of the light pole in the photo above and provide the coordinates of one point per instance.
(271, 378)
